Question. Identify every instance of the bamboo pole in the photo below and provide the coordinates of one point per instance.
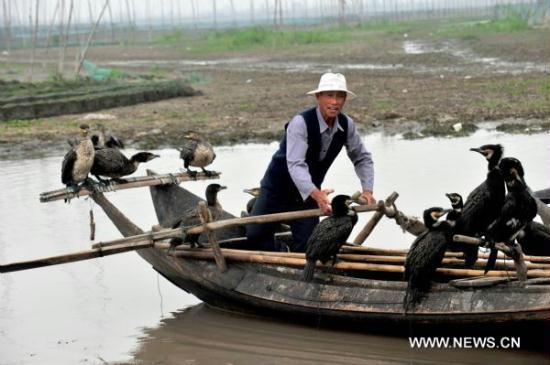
(132, 182)
(366, 231)
(393, 260)
(206, 217)
(299, 262)
(73, 257)
(382, 251)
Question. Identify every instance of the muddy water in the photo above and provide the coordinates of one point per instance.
(117, 309)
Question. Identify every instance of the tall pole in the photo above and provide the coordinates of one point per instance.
(214, 11)
(66, 38)
(34, 32)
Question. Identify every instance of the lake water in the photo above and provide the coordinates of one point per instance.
(118, 310)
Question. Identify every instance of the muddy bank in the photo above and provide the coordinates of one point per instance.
(423, 85)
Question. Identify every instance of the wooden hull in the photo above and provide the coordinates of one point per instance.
(278, 290)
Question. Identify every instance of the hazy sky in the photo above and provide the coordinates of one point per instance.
(20, 9)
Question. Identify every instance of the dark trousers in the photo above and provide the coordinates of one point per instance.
(261, 236)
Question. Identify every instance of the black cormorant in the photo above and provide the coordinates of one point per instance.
(105, 139)
(255, 192)
(457, 204)
(425, 256)
(191, 217)
(78, 161)
(110, 162)
(329, 235)
(195, 151)
(483, 204)
(535, 239)
(518, 210)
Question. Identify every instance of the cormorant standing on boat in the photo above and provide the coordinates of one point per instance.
(518, 210)
(329, 235)
(110, 162)
(195, 151)
(191, 217)
(78, 161)
(483, 204)
(425, 256)
(535, 239)
(255, 192)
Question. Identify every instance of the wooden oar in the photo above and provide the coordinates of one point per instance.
(148, 239)
(131, 182)
(73, 257)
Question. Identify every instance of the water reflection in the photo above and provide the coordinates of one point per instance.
(94, 311)
(203, 335)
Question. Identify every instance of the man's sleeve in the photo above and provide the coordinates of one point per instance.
(361, 158)
(296, 148)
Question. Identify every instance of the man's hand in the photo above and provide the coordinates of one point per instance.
(321, 197)
(367, 195)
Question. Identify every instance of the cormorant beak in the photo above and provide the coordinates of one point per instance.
(348, 202)
(223, 187)
(154, 156)
(478, 150)
(251, 191)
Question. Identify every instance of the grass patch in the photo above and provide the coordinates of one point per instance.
(471, 30)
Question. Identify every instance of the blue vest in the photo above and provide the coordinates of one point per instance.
(277, 178)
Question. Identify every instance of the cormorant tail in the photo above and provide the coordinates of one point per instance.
(309, 269)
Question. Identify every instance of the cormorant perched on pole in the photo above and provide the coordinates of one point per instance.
(483, 204)
(329, 235)
(191, 217)
(110, 162)
(78, 161)
(518, 210)
(425, 256)
(105, 139)
(195, 151)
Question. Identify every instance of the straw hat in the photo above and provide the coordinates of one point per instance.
(332, 82)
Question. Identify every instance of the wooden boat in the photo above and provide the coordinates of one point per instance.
(271, 282)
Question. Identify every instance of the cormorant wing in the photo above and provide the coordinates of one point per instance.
(67, 167)
(187, 150)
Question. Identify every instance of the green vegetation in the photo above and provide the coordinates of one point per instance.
(471, 30)
(259, 37)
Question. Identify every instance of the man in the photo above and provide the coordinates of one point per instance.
(312, 140)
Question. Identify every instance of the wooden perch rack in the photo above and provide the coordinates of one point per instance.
(131, 182)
